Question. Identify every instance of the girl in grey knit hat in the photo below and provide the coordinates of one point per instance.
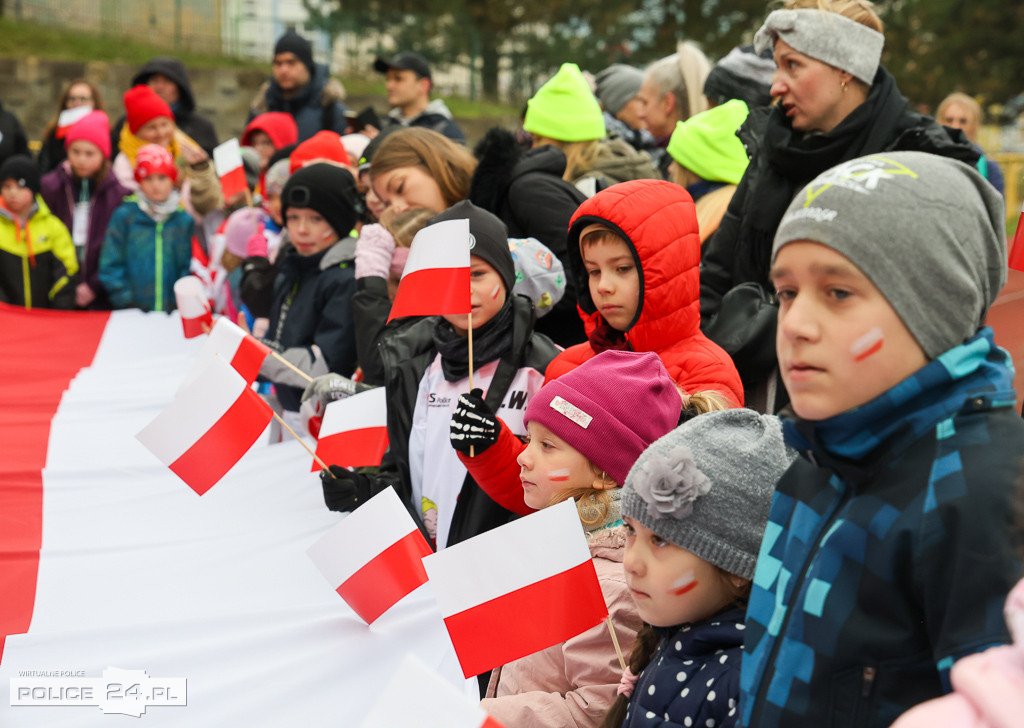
(695, 506)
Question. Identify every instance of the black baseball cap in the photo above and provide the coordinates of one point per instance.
(404, 61)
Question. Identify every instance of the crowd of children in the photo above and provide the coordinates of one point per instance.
(793, 444)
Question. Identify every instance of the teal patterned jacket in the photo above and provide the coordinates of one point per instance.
(889, 549)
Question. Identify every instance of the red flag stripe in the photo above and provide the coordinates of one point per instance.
(249, 357)
(432, 291)
(525, 620)
(386, 578)
(352, 448)
(491, 723)
(216, 452)
(32, 382)
(195, 326)
(233, 182)
(1017, 245)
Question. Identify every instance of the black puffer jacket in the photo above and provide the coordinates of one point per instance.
(406, 350)
(782, 162)
(197, 127)
(526, 190)
(313, 305)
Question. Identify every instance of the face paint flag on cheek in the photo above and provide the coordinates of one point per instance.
(868, 344)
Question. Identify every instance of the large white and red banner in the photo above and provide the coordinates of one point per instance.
(110, 567)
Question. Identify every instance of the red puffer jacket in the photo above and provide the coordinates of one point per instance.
(657, 218)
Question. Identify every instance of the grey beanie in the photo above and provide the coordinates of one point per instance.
(744, 75)
(829, 37)
(707, 485)
(928, 231)
(616, 85)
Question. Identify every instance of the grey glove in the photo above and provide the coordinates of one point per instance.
(331, 387)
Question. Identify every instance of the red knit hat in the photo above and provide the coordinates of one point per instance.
(94, 127)
(141, 105)
(277, 125)
(324, 145)
(154, 159)
(610, 408)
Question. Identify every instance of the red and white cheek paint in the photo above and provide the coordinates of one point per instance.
(683, 584)
(496, 291)
(868, 344)
(559, 476)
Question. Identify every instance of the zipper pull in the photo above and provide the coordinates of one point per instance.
(869, 681)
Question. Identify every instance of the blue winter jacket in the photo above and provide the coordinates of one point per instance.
(141, 258)
(693, 679)
(889, 549)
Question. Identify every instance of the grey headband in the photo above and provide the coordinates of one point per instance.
(828, 37)
(928, 231)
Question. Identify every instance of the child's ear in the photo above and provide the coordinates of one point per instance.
(603, 482)
(738, 581)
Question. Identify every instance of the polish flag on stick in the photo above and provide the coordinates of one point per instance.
(67, 118)
(1017, 246)
(354, 432)
(208, 426)
(373, 558)
(193, 305)
(227, 159)
(416, 696)
(517, 589)
(243, 351)
(436, 276)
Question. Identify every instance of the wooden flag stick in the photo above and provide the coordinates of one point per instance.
(615, 641)
(469, 333)
(291, 366)
(249, 203)
(303, 443)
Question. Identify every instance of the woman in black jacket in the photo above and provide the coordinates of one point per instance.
(835, 103)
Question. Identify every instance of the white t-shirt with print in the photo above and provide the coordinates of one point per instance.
(434, 466)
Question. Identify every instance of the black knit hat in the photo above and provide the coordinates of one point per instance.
(488, 238)
(292, 42)
(23, 170)
(328, 189)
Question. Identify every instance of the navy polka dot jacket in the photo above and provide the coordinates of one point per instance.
(693, 681)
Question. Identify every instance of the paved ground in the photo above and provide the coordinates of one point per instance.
(1007, 318)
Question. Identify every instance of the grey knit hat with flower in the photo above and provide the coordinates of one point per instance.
(707, 485)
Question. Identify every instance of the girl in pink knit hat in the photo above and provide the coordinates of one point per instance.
(586, 429)
(83, 193)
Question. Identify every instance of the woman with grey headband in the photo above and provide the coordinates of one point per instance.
(835, 102)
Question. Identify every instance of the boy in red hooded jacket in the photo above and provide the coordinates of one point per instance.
(634, 251)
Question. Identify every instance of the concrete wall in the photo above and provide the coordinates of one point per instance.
(30, 88)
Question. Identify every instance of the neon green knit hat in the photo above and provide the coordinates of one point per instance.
(707, 145)
(565, 109)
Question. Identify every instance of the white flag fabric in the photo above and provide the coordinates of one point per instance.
(130, 570)
(417, 697)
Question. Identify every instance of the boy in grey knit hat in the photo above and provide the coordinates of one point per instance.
(695, 505)
(888, 552)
